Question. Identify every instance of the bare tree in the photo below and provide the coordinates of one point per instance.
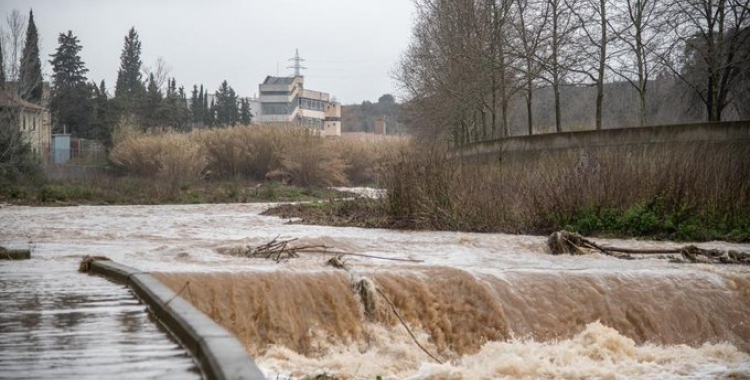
(713, 37)
(592, 48)
(557, 58)
(13, 40)
(461, 63)
(530, 20)
(639, 40)
(161, 71)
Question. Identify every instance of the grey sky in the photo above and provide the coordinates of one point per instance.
(351, 47)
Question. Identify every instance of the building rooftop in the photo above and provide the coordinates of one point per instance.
(6, 100)
(278, 80)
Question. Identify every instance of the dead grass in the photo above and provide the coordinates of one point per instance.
(175, 159)
(644, 191)
(298, 155)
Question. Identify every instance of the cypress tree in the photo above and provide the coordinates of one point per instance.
(211, 115)
(104, 119)
(202, 104)
(196, 104)
(246, 117)
(129, 88)
(150, 116)
(70, 93)
(226, 105)
(30, 76)
(2, 67)
(206, 111)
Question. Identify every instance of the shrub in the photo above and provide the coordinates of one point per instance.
(682, 191)
(310, 161)
(246, 151)
(171, 157)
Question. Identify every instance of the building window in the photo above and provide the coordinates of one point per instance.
(311, 104)
(276, 108)
(274, 93)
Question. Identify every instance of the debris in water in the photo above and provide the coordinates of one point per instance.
(14, 254)
(337, 262)
(564, 242)
(278, 250)
(86, 261)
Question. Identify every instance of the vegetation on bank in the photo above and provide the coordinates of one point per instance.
(696, 193)
(115, 190)
(235, 164)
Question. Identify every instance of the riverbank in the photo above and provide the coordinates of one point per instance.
(640, 221)
(126, 190)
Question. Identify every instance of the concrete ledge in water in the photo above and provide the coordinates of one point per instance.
(220, 354)
(14, 254)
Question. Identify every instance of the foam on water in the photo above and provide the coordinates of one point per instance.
(597, 352)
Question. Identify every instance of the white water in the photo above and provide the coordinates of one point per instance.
(189, 239)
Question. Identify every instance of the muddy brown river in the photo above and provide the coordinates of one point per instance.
(487, 306)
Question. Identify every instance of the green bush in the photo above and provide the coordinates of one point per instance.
(61, 193)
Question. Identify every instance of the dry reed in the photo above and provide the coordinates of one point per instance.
(299, 155)
(659, 188)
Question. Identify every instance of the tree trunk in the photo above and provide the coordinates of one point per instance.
(602, 63)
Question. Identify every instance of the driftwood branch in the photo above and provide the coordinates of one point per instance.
(414, 338)
(564, 242)
(369, 304)
(278, 250)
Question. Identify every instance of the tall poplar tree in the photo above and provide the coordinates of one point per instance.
(30, 77)
(129, 89)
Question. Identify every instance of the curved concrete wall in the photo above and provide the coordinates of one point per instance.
(720, 133)
(220, 354)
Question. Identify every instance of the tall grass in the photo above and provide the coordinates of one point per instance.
(697, 191)
(176, 159)
(299, 155)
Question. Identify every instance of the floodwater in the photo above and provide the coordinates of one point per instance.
(486, 305)
(56, 323)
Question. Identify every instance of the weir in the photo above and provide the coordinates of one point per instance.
(459, 311)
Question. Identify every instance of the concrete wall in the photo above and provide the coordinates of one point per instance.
(220, 355)
(519, 147)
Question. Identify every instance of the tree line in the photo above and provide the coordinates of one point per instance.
(362, 117)
(472, 63)
(19, 50)
(144, 96)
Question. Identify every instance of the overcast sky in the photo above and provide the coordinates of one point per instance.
(351, 47)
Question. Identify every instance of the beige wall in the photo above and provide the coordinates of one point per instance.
(36, 128)
(333, 110)
(332, 128)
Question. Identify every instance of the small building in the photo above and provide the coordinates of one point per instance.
(32, 120)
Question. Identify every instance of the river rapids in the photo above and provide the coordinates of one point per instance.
(483, 306)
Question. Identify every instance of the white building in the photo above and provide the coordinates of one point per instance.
(286, 100)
